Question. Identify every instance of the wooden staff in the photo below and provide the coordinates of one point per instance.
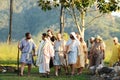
(18, 60)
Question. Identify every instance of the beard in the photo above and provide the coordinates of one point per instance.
(28, 37)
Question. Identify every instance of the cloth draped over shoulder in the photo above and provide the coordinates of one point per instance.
(73, 49)
(26, 47)
(45, 49)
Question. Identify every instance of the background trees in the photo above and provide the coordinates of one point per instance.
(79, 8)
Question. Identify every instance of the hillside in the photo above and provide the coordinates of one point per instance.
(28, 16)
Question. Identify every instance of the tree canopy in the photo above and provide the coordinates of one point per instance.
(81, 7)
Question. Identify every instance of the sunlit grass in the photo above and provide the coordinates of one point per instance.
(108, 50)
(8, 53)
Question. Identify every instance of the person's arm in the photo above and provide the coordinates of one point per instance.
(86, 52)
(119, 52)
(34, 49)
(103, 49)
(51, 51)
(20, 45)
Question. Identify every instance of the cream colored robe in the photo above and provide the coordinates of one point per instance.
(45, 51)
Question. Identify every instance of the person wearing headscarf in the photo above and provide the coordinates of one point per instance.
(45, 52)
(98, 52)
(115, 52)
(72, 49)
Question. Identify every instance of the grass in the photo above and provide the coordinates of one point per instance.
(8, 52)
(8, 56)
(36, 76)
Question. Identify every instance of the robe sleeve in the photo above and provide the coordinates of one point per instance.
(51, 50)
(119, 52)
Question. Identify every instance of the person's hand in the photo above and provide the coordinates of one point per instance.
(64, 56)
(103, 56)
(34, 54)
(52, 58)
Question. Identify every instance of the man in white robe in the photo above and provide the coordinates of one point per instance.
(45, 52)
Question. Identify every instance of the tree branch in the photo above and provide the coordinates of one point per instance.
(76, 22)
(94, 19)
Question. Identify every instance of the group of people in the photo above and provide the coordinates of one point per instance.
(54, 50)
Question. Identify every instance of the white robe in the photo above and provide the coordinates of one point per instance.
(45, 51)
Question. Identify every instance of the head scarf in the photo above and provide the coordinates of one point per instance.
(92, 38)
(115, 38)
(74, 35)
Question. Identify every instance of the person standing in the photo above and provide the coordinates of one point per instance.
(82, 59)
(52, 39)
(97, 52)
(72, 49)
(115, 52)
(27, 47)
(59, 59)
(90, 55)
(45, 52)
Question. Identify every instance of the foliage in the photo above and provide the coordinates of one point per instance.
(82, 6)
(28, 17)
(106, 7)
(102, 5)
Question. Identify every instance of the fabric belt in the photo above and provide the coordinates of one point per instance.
(26, 53)
(59, 51)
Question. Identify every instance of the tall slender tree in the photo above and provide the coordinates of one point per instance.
(10, 23)
(62, 20)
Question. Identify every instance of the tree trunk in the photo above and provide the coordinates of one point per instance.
(62, 20)
(10, 23)
(83, 23)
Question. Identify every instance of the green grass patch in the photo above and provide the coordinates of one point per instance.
(36, 76)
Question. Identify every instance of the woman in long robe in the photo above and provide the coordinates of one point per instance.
(81, 60)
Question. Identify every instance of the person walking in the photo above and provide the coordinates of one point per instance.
(82, 59)
(27, 47)
(98, 51)
(72, 49)
(59, 59)
(45, 52)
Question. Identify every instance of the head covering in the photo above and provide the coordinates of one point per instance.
(92, 38)
(115, 38)
(74, 35)
(98, 37)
